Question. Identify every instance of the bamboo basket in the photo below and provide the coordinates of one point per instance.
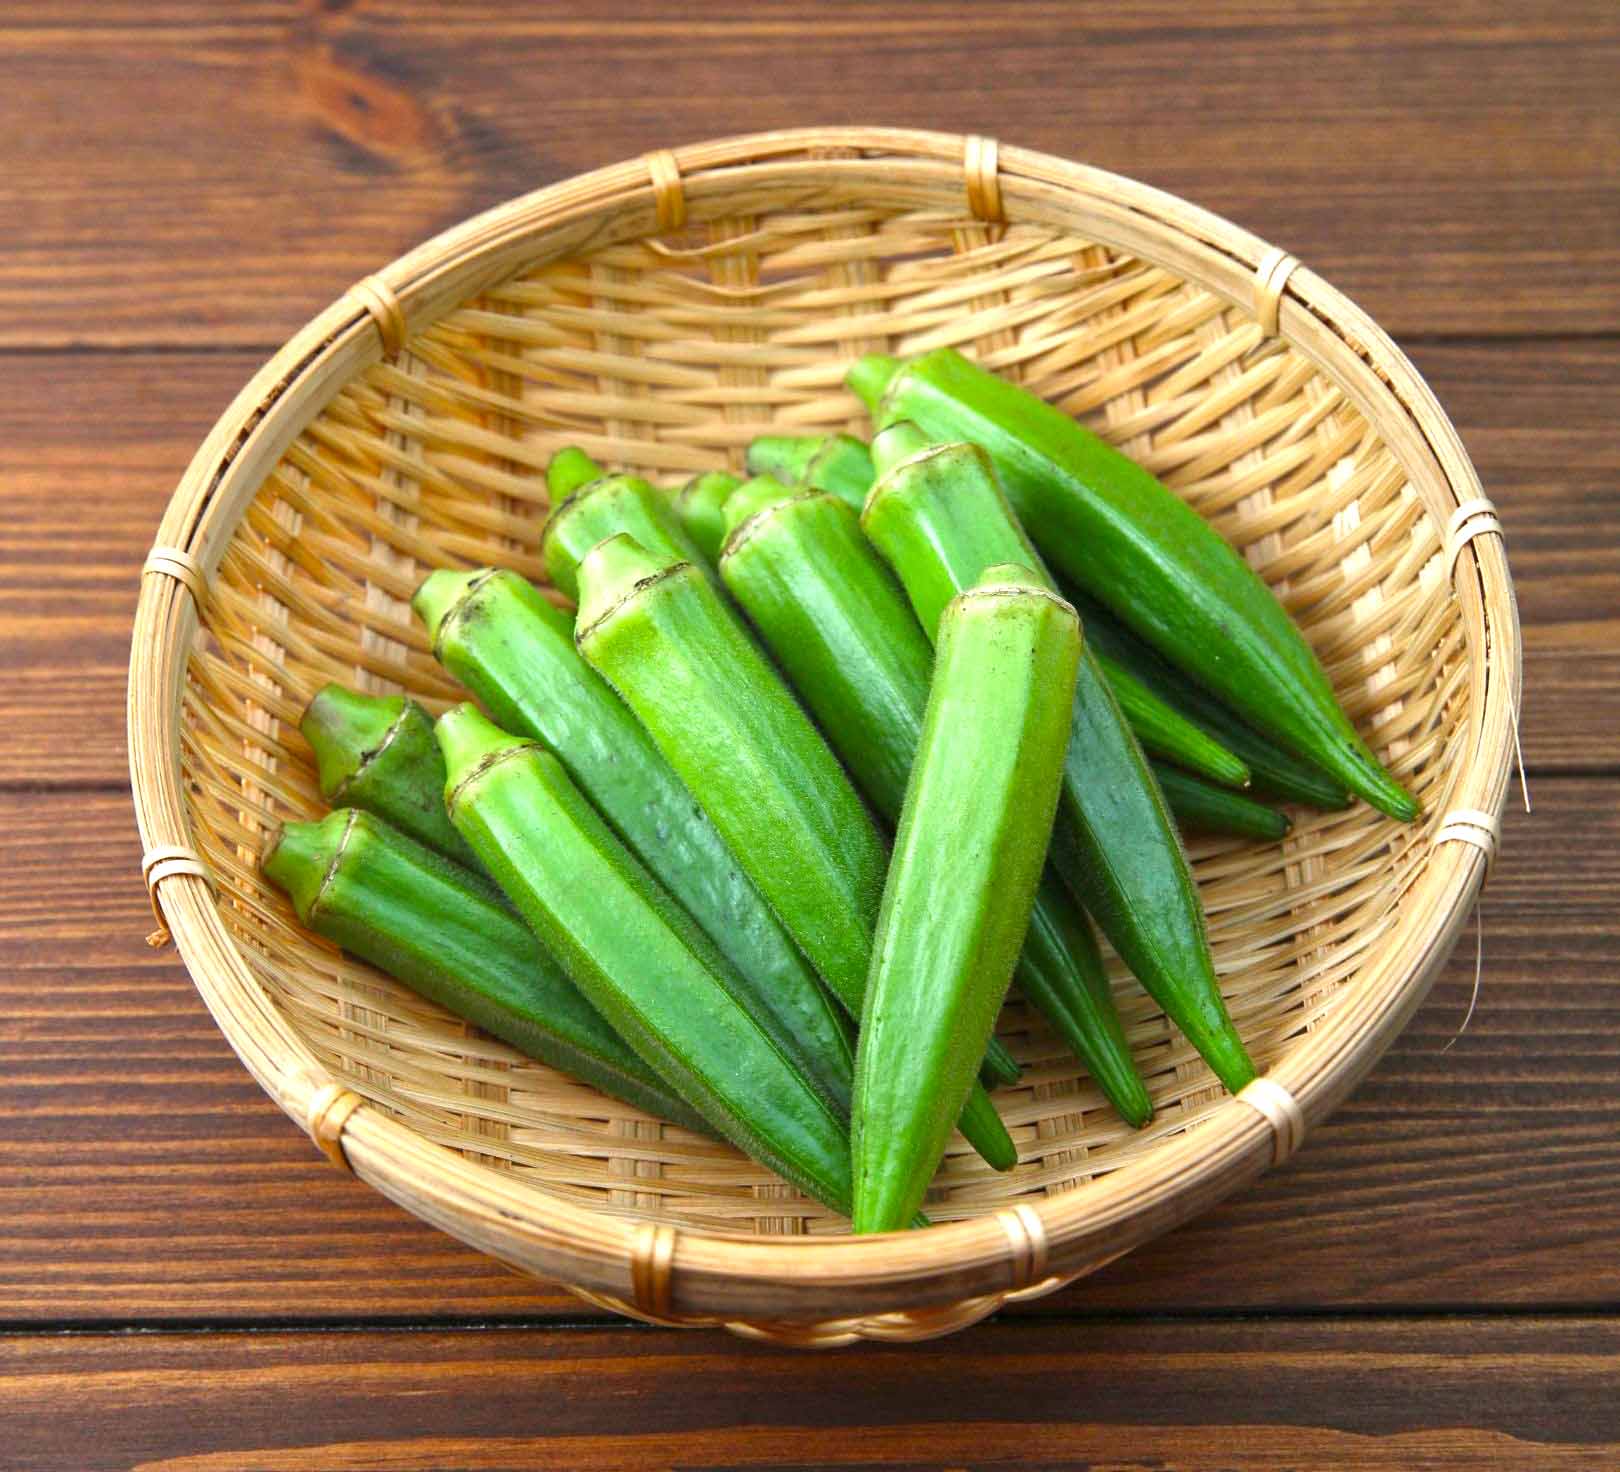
(661, 313)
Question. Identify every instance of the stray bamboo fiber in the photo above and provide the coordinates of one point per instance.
(660, 313)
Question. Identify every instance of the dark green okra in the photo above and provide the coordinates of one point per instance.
(662, 637)
(839, 625)
(445, 932)
(636, 955)
(598, 509)
(1132, 543)
(701, 507)
(377, 752)
(940, 519)
(515, 651)
(838, 463)
(968, 854)
(1202, 807)
(1273, 771)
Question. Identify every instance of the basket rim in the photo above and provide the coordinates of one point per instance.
(717, 1276)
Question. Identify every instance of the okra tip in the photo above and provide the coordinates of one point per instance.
(570, 468)
(1386, 794)
(610, 571)
(345, 726)
(869, 378)
(786, 456)
(301, 855)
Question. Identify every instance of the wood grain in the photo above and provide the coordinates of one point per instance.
(1537, 418)
(188, 181)
(197, 174)
(144, 1177)
(1191, 1396)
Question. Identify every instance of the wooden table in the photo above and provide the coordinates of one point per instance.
(1434, 1282)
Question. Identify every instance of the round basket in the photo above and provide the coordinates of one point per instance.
(661, 313)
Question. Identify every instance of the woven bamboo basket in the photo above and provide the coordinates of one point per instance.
(661, 313)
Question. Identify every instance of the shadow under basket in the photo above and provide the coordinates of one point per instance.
(661, 313)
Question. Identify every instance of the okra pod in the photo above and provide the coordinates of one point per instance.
(1132, 543)
(635, 954)
(940, 519)
(1202, 807)
(840, 627)
(377, 752)
(444, 932)
(598, 509)
(658, 632)
(967, 856)
(764, 492)
(1273, 771)
(515, 651)
(838, 463)
(701, 506)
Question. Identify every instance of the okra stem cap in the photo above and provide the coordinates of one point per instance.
(786, 456)
(610, 571)
(570, 469)
(467, 737)
(439, 594)
(301, 855)
(897, 442)
(869, 378)
(345, 726)
(752, 497)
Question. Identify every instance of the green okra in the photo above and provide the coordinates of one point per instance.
(700, 506)
(1132, 543)
(939, 517)
(1202, 807)
(515, 652)
(839, 625)
(1273, 771)
(445, 932)
(636, 955)
(968, 855)
(838, 463)
(764, 492)
(598, 509)
(377, 752)
(658, 632)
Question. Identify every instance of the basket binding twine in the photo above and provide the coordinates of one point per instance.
(660, 313)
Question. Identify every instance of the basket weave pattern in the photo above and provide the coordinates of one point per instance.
(662, 340)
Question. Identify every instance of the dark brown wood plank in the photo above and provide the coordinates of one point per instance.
(90, 447)
(202, 174)
(90, 450)
(143, 1176)
(1185, 1397)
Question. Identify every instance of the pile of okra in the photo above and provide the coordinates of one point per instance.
(758, 837)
